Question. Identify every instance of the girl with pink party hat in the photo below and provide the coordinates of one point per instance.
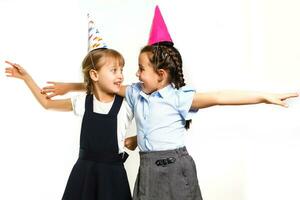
(99, 173)
(163, 106)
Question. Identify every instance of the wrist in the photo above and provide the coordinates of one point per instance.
(264, 98)
(27, 78)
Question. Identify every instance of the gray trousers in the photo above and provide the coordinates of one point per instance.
(167, 175)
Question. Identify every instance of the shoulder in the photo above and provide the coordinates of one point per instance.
(78, 103)
(186, 89)
(132, 93)
(184, 99)
(79, 98)
(134, 88)
(184, 93)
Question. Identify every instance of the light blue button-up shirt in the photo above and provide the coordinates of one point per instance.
(160, 117)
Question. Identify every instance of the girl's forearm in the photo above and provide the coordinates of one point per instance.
(58, 105)
(239, 97)
(207, 99)
(77, 86)
(36, 91)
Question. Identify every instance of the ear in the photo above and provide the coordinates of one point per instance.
(94, 75)
(163, 75)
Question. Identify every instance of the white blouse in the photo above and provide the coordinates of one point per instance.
(124, 117)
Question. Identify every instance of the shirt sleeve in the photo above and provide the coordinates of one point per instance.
(78, 104)
(129, 115)
(185, 97)
(131, 95)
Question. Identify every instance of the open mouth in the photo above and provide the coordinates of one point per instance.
(118, 84)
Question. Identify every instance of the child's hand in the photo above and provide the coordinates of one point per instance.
(131, 143)
(56, 88)
(15, 71)
(278, 99)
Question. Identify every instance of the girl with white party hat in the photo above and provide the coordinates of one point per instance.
(99, 172)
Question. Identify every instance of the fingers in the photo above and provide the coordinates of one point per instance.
(9, 71)
(131, 143)
(51, 82)
(10, 63)
(284, 105)
(13, 64)
(48, 89)
(49, 93)
(49, 96)
(287, 96)
(290, 95)
(280, 103)
(130, 147)
(14, 70)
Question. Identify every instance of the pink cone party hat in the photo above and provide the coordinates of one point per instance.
(159, 31)
(95, 41)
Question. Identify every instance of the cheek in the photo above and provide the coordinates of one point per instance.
(106, 78)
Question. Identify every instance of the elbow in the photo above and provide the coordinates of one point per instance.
(46, 104)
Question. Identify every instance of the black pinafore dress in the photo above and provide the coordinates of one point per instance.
(99, 173)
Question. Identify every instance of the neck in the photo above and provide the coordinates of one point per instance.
(103, 96)
(162, 84)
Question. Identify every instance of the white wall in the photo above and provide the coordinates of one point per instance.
(241, 153)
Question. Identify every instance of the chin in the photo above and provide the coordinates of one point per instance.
(116, 91)
(115, 88)
(147, 91)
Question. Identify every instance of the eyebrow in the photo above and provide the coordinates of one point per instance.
(116, 66)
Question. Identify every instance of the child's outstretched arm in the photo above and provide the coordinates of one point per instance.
(61, 88)
(203, 100)
(16, 71)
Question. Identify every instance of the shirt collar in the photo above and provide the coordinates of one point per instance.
(163, 92)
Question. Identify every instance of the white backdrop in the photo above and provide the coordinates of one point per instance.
(241, 153)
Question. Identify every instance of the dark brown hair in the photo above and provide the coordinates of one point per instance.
(166, 56)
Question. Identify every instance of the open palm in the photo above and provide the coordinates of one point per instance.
(278, 99)
(15, 71)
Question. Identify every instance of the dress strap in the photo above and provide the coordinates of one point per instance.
(114, 109)
(89, 103)
(116, 105)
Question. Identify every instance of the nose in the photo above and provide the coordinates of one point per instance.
(121, 76)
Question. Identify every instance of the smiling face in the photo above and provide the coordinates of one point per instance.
(109, 76)
(149, 78)
(102, 69)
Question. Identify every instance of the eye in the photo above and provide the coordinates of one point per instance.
(114, 70)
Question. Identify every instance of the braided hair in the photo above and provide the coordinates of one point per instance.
(164, 55)
(95, 60)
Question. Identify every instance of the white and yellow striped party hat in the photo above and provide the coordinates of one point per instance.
(95, 41)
